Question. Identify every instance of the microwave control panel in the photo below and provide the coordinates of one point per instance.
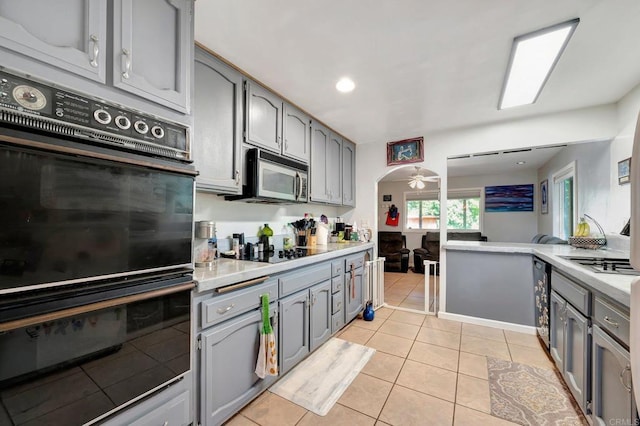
(36, 105)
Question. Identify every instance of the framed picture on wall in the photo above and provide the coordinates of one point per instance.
(544, 196)
(405, 151)
(624, 169)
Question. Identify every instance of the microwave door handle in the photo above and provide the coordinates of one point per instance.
(299, 186)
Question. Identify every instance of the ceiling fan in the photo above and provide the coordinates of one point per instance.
(418, 179)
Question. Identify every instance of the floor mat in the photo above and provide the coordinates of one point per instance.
(530, 396)
(319, 381)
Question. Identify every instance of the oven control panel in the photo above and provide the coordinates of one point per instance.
(40, 106)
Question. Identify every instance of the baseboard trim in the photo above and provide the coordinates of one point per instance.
(488, 322)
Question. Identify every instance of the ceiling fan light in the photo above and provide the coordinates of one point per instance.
(420, 184)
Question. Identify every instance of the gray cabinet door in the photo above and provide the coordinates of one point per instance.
(217, 127)
(348, 173)
(227, 364)
(353, 293)
(296, 133)
(294, 329)
(577, 356)
(334, 169)
(318, 172)
(69, 34)
(612, 397)
(320, 314)
(263, 118)
(557, 309)
(153, 50)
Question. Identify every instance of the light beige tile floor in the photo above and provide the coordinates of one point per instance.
(426, 371)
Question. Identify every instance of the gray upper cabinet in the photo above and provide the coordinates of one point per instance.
(318, 173)
(217, 115)
(152, 50)
(295, 133)
(69, 34)
(263, 118)
(348, 173)
(334, 169)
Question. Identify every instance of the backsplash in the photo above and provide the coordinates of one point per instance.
(237, 216)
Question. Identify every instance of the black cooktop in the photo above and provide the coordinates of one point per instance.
(605, 265)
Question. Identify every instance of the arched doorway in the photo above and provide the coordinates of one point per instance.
(407, 191)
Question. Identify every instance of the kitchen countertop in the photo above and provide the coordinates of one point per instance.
(616, 287)
(230, 271)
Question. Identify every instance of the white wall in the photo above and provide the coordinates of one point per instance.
(513, 227)
(593, 171)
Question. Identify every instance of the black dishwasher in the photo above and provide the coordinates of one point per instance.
(541, 290)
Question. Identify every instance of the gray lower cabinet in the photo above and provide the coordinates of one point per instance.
(152, 50)
(76, 43)
(228, 360)
(348, 173)
(570, 343)
(305, 320)
(354, 280)
(613, 401)
(217, 127)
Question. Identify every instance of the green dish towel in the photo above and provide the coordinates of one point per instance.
(267, 363)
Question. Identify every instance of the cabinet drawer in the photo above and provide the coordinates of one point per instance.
(355, 261)
(229, 305)
(572, 292)
(612, 319)
(337, 321)
(337, 267)
(337, 283)
(304, 278)
(174, 412)
(337, 302)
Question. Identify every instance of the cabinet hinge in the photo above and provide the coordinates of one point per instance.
(589, 330)
(588, 407)
(199, 344)
(245, 85)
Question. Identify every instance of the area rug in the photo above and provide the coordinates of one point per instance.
(530, 396)
(319, 381)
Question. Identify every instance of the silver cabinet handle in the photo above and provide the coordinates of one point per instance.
(126, 56)
(166, 423)
(610, 321)
(237, 178)
(227, 309)
(96, 51)
(622, 373)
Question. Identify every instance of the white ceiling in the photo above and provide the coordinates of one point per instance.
(420, 66)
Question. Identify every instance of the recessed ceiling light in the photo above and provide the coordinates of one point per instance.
(345, 85)
(520, 163)
(533, 57)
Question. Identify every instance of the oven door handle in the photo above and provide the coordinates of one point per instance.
(52, 316)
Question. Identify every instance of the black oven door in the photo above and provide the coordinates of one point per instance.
(73, 365)
(70, 218)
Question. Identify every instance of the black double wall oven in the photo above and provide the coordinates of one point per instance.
(96, 224)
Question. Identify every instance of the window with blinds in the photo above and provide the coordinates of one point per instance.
(463, 213)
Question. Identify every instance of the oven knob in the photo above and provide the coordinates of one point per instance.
(3, 95)
(123, 122)
(4, 82)
(59, 112)
(158, 132)
(141, 127)
(102, 116)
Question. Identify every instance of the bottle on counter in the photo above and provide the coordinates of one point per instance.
(266, 235)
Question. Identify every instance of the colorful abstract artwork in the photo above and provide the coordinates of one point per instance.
(508, 198)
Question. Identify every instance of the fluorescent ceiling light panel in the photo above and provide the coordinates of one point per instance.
(533, 57)
(345, 85)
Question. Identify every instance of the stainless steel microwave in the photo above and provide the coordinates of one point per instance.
(270, 178)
